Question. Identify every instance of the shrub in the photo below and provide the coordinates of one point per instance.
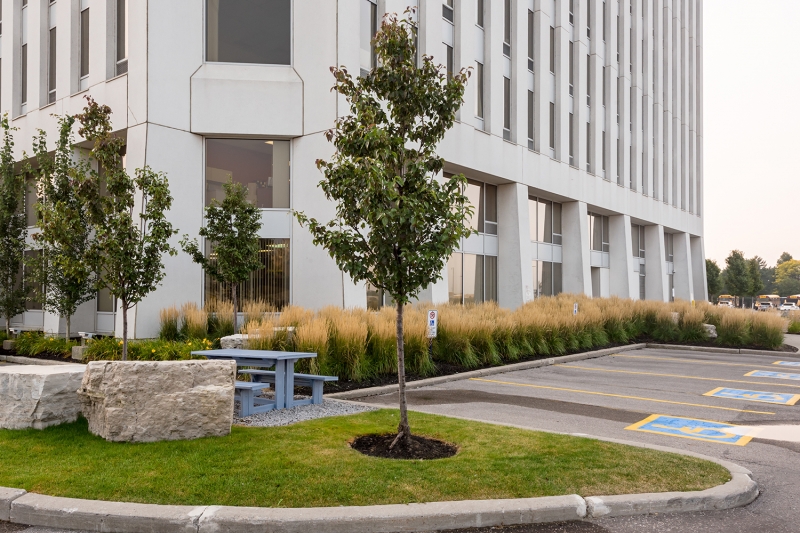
(220, 319)
(32, 343)
(110, 349)
(766, 330)
(194, 324)
(794, 322)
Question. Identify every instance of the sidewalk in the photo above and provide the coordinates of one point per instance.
(792, 340)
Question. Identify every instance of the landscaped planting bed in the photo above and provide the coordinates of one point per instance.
(311, 464)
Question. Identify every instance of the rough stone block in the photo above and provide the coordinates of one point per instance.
(38, 396)
(148, 401)
(711, 331)
(77, 352)
(8, 345)
(233, 342)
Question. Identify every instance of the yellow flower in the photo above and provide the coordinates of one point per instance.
(51, 338)
(153, 351)
(120, 343)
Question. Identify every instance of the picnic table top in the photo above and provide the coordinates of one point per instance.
(269, 355)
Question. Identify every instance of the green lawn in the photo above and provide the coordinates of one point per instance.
(311, 464)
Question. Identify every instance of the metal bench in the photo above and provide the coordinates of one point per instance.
(249, 403)
(302, 380)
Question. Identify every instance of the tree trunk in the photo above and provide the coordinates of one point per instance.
(69, 325)
(235, 307)
(124, 331)
(8, 327)
(403, 429)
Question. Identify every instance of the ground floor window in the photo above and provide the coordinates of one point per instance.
(377, 298)
(471, 278)
(547, 278)
(269, 284)
(106, 303)
(34, 302)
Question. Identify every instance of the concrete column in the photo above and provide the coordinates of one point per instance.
(576, 267)
(624, 281)
(514, 282)
(698, 268)
(684, 283)
(656, 284)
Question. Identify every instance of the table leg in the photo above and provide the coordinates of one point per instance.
(280, 384)
(289, 383)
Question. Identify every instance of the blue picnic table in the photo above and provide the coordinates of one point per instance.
(283, 378)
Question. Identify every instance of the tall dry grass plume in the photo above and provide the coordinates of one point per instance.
(195, 321)
(312, 336)
(169, 319)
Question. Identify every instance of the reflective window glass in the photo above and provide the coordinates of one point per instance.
(262, 166)
(474, 192)
(473, 278)
(249, 31)
(490, 278)
(454, 279)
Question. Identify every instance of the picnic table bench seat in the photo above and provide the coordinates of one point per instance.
(249, 403)
(314, 381)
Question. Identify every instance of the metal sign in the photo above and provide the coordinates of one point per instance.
(575, 309)
(433, 323)
(691, 428)
(780, 398)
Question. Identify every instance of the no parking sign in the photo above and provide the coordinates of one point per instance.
(433, 323)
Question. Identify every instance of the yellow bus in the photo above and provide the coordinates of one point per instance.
(793, 299)
(772, 299)
(727, 300)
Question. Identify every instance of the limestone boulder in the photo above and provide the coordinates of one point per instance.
(38, 396)
(149, 401)
(711, 331)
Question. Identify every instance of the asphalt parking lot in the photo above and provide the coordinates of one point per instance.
(681, 399)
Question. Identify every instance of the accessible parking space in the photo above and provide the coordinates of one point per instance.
(734, 406)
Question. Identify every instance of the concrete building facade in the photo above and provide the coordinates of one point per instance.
(581, 134)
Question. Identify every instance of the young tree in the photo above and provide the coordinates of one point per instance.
(129, 243)
(737, 275)
(13, 230)
(754, 272)
(785, 256)
(787, 277)
(231, 230)
(396, 223)
(713, 278)
(64, 235)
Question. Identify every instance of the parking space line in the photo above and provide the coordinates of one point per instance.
(641, 398)
(677, 376)
(754, 396)
(776, 375)
(691, 428)
(693, 361)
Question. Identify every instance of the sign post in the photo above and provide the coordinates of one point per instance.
(433, 324)
(575, 309)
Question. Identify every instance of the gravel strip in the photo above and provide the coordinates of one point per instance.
(301, 413)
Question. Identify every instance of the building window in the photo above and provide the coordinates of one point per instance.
(530, 120)
(249, 32)
(603, 91)
(547, 278)
(588, 20)
(637, 238)
(530, 40)
(669, 247)
(552, 50)
(588, 147)
(269, 284)
(604, 21)
(480, 13)
(84, 81)
(572, 139)
(479, 91)
(261, 165)
(122, 37)
(31, 199)
(51, 66)
(483, 198)
(34, 302)
(506, 109)
(544, 220)
(471, 278)
(603, 150)
(507, 28)
(598, 232)
(572, 12)
(369, 27)
(571, 67)
(106, 303)
(552, 126)
(447, 10)
(588, 80)
(24, 58)
(449, 36)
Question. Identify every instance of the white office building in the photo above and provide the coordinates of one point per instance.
(581, 134)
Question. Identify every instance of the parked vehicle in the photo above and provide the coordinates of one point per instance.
(726, 300)
(773, 299)
(764, 306)
(789, 306)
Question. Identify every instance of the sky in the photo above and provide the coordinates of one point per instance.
(751, 91)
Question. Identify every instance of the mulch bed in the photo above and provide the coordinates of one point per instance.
(414, 447)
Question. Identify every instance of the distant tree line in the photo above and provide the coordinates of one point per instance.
(745, 277)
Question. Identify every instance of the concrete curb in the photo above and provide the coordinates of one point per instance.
(31, 361)
(385, 389)
(117, 517)
(712, 349)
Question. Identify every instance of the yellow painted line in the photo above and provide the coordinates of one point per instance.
(676, 376)
(694, 361)
(595, 393)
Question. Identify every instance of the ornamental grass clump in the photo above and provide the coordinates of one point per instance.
(194, 322)
(169, 318)
(312, 336)
(794, 322)
(732, 328)
(220, 318)
(453, 344)
(347, 351)
(766, 330)
(382, 341)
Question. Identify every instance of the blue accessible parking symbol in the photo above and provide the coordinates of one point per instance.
(691, 428)
(770, 374)
(755, 396)
(787, 363)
